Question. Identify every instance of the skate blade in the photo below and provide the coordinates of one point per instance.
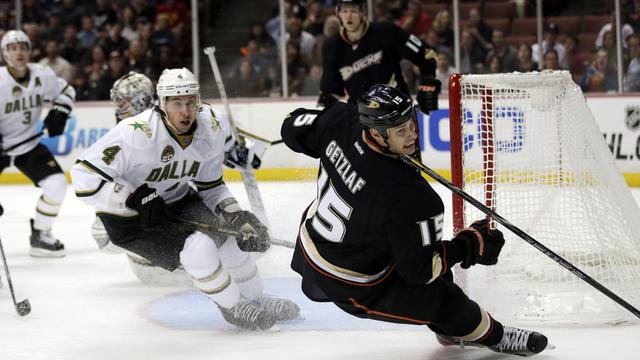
(550, 346)
(42, 253)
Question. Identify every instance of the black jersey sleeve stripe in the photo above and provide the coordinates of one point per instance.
(94, 168)
(208, 185)
(90, 192)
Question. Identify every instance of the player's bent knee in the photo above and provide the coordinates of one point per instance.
(54, 187)
(199, 256)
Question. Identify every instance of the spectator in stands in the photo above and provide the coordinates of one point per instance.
(525, 63)
(88, 35)
(396, 8)
(314, 22)
(494, 65)
(415, 20)
(115, 41)
(163, 59)
(381, 11)
(258, 33)
(94, 75)
(143, 12)
(97, 60)
(610, 26)
(162, 34)
(443, 70)
(31, 13)
(311, 83)
(245, 82)
(129, 24)
(331, 27)
(471, 58)
(573, 60)
(4, 20)
(506, 53)
(302, 38)
(175, 11)
(296, 68)
(550, 42)
(480, 31)
(71, 12)
(599, 76)
(609, 44)
(117, 68)
(70, 48)
(103, 14)
(59, 65)
(631, 81)
(33, 31)
(83, 92)
(432, 39)
(53, 29)
(442, 26)
(136, 58)
(550, 60)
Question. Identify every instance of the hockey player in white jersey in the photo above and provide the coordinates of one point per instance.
(24, 87)
(138, 177)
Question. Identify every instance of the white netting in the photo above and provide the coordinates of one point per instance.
(555, 178)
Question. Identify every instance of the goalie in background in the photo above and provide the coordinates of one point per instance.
(141, 178)
(131, 95)
(363, 54)
(24, 87)
(372, 241)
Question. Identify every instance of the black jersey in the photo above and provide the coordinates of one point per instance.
(372, 213)
(351, 69)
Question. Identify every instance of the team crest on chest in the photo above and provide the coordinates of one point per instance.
(138, 125)
(16, 91)
(167, 154)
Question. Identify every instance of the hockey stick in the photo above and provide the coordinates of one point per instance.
(248, 175)
(4, 151)
(523, 235)
(23, 307)
(231, 232)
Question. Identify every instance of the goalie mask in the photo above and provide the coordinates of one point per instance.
(384, 107)
(177, 82)
(131, 94)
(13, 37)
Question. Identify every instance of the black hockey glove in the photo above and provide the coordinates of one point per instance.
(428, 91)
(239, 156)
(255, 236)
(56, 119)
(326, 99)
(150, 206)
(482, 243)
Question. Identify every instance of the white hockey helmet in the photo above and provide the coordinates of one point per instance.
(13, 37)
(177, 82)
(131, 94)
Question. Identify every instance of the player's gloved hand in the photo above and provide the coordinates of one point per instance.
(428, 91)
(254, 234)
(326, 99)
(56, 119)
(151, 207)
(239, 156)
(482, 243)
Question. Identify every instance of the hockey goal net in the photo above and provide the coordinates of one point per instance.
(528, 147)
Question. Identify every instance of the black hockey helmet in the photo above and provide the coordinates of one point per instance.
(384, 107)
(360, 3)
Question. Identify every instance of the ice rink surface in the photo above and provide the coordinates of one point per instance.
(89, 305)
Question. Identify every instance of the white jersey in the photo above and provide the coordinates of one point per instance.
(141, 149)
(21, 104)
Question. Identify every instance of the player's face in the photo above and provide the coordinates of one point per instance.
(351, 16)
(18, 55)
(402, 138)
(181, 112)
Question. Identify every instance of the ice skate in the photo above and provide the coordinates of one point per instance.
(43, 244)
(248, 315)
(448, 340)
(521, 342)
(282, 309)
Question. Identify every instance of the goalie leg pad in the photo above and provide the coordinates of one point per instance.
(243, 270)
(201, 260)
(54, 188)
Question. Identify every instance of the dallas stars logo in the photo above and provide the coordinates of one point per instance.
(142, 127)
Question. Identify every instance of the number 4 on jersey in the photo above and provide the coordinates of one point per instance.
(110, 154)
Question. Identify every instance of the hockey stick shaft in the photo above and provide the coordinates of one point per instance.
(231, 232)
(23, 307)
(4, 151)
(520, 233)
(248, 175)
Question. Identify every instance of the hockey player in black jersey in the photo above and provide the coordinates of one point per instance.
(363, 54)
(372, 241)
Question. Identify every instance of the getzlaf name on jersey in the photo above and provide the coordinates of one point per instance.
(21, 104)
(365, 198)
(141, 149)
(375, 59)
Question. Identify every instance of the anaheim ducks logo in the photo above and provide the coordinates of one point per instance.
(167, 154)
(16, 91)
(373, 104)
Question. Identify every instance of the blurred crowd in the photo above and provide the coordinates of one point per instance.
(93, 43)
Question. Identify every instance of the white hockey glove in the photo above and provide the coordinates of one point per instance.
(241, 155)
(254, 234)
